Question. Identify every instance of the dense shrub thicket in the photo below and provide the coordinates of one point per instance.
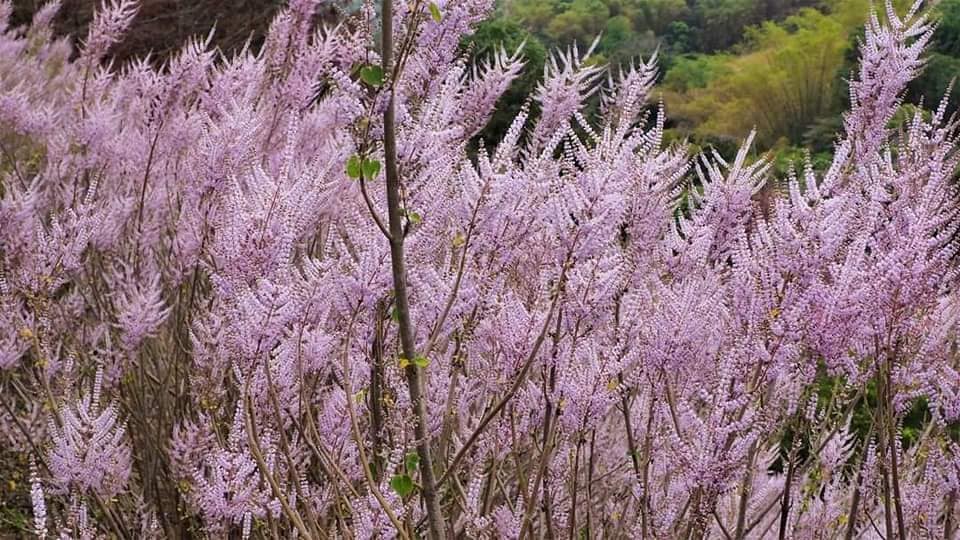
(284, 293)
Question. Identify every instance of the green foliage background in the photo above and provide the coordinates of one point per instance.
(727, 66)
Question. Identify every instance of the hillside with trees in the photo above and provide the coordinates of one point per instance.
(726, 66)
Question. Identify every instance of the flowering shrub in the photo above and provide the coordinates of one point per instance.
(273, 295)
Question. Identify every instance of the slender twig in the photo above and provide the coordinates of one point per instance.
(373, 211)
(788, 487)
(284, 442)
(428, 491)
(13, 162)
(892, 443)
(745, 494)
(376, 392)
(723, 528)
(549, 430)
(462, 263)
(591, 467)
(365, 465)
(854, 508)
(574, 489)
(254, 443)
(948, 530)
(517, 383)
(143, 191)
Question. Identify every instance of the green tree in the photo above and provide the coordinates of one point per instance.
(695, 71)
(618, 33)
(947, 36)
(582, 21)
(932, 84)
(680, 37)
(657, 15)
(783, 81)
(722, 21)
(943, 62)
(534, 15)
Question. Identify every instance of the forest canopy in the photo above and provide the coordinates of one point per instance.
(727, 66)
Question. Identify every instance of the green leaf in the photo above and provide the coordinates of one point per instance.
(435, 12)
(421, 361)
(411, 461)
(414, 218)
(354, 170)
(403, 362)
(402, 484)
(372, 75)
(371, 168)
(394, 316)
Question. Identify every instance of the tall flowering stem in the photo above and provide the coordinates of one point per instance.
(395, 215)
